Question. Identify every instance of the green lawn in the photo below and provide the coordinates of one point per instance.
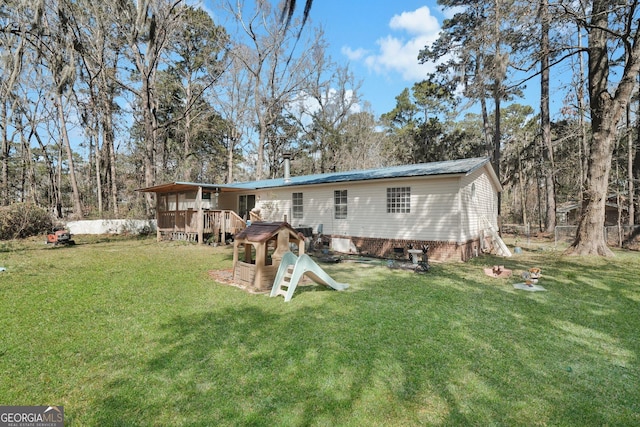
(132, 332)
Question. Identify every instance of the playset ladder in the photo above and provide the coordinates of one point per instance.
(282, 287)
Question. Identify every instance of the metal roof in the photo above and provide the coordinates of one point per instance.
(449, 167)
(178, 186)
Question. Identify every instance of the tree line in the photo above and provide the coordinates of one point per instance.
(101, 98)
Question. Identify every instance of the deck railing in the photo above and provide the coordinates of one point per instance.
(223, 222)
(178, 221)
(254, 217)
(185, 223)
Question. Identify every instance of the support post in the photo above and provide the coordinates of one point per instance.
(200, 218)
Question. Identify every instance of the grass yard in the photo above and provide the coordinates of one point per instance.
(136, 333)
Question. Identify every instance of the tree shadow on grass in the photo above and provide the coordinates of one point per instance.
(239, 366)
(579, 331)
(450, 347)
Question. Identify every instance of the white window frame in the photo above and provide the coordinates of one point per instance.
(297, 205)
(399, 200)
(340, 204)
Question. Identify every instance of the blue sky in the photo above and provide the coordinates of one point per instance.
(380, 39)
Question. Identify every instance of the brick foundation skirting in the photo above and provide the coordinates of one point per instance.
(397, 248)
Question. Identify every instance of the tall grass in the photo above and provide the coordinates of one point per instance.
(132, 332)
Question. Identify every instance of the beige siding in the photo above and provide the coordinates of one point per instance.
(442, 208)
(434, 209)
(227, 201)
(479, 198)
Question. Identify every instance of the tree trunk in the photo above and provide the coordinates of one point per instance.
(496, 142)
(113, 181)
(545, 120)
(523, 203)
(59, 208)
(630, 156)
(636, 163)
(262, 141)
(150, 142)
(584, 144)
(77, 205)
(98, 167)
(486, 128)
(25, 169)
(232, 138)
(499, 71)
(4, 156)
(606, 112)
(186, 154)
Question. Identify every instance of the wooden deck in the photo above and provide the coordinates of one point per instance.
(187, 225)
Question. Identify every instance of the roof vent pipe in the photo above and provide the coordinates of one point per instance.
(287, 167)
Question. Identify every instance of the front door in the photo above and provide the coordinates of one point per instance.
(246, 203)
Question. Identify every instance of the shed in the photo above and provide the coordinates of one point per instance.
(264, 244)
(569, 212)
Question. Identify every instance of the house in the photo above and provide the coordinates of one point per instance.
(569, 213)
(450, 206)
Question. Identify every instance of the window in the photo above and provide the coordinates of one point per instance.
(340, 204)
(246, 203)
(162, 203)
(296, 204)
(399, 200)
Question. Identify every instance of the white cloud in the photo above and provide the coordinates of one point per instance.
(354, 54)
(398, 54)
(419, 22)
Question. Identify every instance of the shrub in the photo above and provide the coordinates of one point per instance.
(21, 220)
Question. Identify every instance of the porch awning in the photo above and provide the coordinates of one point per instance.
(174, 187)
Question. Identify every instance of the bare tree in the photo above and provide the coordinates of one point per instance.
(55, 45)
(12, 51)
(98, 51)
(233, 98)
(545, 116)
(609, 24)
(363, 146)
(324, 107)
(278, 67)
(148, 27)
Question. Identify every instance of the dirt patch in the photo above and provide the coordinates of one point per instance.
(225, 277)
